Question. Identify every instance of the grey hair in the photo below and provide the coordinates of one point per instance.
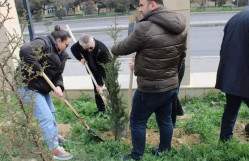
(85, 40)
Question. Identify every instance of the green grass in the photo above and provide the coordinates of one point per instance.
(206, 117)
(214, 9)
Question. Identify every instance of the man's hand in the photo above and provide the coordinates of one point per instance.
(40, 74)
(58, 91)
(100, 89)
(131, 65)
(83, 61)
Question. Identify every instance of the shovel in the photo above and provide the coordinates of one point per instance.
(72, 109)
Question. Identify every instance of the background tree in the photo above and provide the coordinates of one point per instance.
(20, 8)
(219, 3)
(201, 2)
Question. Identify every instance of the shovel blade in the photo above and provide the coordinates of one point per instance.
(95, 135)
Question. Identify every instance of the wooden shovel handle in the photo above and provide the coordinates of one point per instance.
(66, 102)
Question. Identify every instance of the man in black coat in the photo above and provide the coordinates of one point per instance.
(90, 50)
(233, 71)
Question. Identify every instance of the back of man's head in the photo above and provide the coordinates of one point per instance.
(85, 40)
(157, 1)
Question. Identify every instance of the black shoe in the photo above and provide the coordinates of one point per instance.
(225, 139)
(156, 150)
(179, 111)
(128, 157)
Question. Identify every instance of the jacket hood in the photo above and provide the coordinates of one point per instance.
(169, 20)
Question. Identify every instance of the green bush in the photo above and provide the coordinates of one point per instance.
(120, 8)
(60, 13)
(38, 16)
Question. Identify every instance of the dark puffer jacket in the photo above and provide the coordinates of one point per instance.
(54, 60)
(160, 42)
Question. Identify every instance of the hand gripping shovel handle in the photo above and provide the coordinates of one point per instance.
(87, 67)
(71, 108)
(65, 101)
(95, 83)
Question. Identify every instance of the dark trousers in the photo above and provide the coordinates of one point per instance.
(176, 102)
(230, 115)
(144, 104)
(99, 102)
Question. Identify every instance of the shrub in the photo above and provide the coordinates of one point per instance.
(60, 13)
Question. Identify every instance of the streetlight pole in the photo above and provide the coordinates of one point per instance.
(29, 19)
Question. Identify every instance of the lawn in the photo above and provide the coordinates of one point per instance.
(195, 137)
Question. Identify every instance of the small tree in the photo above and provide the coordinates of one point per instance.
(47, 23)
(21, 135)
(115, 105)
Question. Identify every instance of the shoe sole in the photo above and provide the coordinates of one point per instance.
(58, 158)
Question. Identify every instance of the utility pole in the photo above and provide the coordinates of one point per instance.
(29, 19)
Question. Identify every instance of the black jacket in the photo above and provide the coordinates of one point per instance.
(233, 70)
(101, 56)
(54, 60)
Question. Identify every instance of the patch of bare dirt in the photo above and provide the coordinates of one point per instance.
(240, 133)
(65, 130)
(152, 138)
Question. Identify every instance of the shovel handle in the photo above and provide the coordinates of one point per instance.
(65, 101)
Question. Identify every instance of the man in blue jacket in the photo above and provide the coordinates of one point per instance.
(233, 70)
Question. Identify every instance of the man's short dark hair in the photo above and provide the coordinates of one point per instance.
(157, 1)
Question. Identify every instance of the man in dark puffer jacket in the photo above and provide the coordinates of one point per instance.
(53, 47)
(160, 42)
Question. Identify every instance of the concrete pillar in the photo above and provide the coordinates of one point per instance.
(183, 7)
(10, 26)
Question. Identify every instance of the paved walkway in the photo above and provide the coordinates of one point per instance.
(202, 78)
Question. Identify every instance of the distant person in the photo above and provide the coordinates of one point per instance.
(233, 70)
(93, 51)
(177, 109)
(54, 45)
(159, 41)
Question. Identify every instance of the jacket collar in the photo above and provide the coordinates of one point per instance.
(53, 42)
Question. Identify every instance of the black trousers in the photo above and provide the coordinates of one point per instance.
(176, 102)
(230, 114)
(99, 102)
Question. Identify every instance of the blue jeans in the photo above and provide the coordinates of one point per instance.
(144, 104)
(44, 111)
(230, 115)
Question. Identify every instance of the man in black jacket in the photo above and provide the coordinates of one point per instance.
(90, 50)
(233, 70)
